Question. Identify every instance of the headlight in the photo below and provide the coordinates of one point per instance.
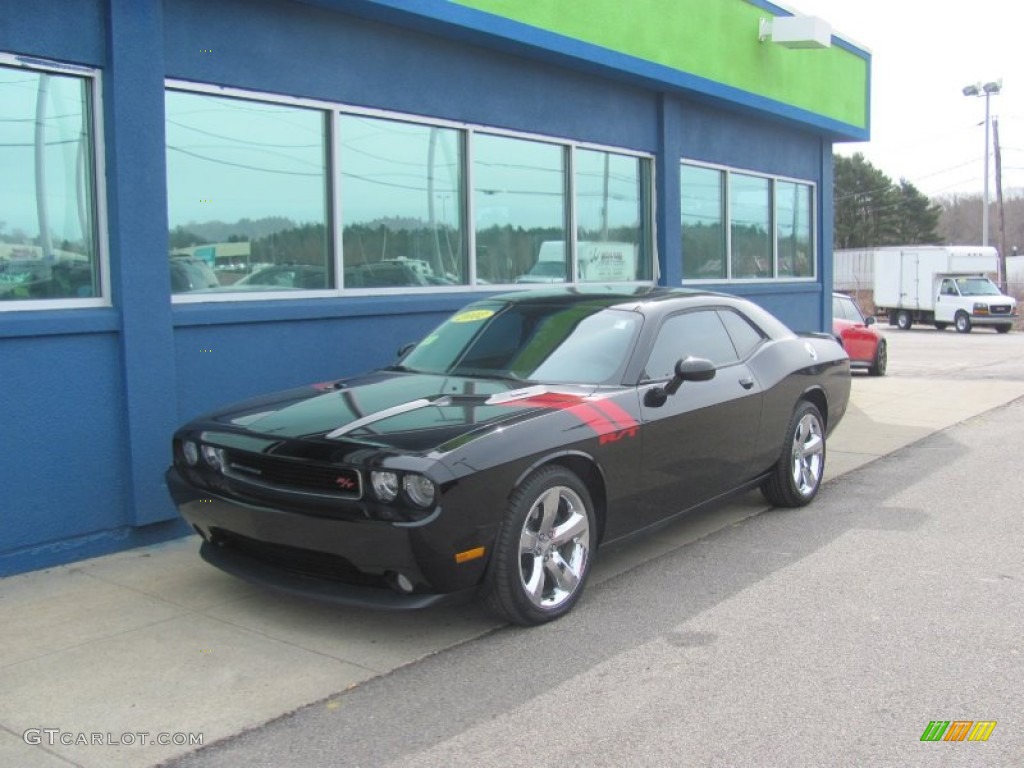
(214, 457)
(419, 489)
(981, 307)
(385, 485)
(191, 453)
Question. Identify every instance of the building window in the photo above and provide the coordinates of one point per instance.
(771, 225)
(793, 229)
(703, 223)
(49, 248)
(247, 191)
(612, 229)
(750, 226)
(401, 202)
(268, 195)
(519, 198)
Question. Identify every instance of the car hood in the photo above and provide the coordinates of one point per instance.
(404, 411)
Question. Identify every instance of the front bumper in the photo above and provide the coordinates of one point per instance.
(357, 563)
(990, 319)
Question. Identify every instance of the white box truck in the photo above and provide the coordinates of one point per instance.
(595, 262)
(941, 286)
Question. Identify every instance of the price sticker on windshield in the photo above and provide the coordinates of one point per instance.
(473, 316)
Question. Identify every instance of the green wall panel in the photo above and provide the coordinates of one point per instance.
(714, 39)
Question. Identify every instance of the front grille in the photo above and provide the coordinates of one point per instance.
(304, 562)
(999, 309)
(293, 475)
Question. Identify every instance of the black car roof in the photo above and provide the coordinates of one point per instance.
(608, 295)
(648, 299)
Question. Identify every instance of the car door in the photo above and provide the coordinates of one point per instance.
(946, 301)
(701, 442)
(858, 341)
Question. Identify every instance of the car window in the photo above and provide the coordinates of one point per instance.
(691, 334)
(745, 337)
(844, 309)
(948, 288)
(544, 342)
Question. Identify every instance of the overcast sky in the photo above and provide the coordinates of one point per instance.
(923, 54)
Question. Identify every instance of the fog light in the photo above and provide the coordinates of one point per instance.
(191, 453)
(385, 485)
(214, 457)
(419, 489)
(398, 582)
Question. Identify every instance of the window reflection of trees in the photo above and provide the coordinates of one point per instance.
(770, 225)
(401, 194)
(519, 203)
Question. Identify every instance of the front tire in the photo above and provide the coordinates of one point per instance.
(942, 326)
(881, 361)
(963, 322)
(1004, 328)
(798, 473)
(542, 554)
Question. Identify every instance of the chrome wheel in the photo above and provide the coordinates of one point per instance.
(554, 547)
(808, 454)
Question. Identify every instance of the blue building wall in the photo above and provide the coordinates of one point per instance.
(89, 398)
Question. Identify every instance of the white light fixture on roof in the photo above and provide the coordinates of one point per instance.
(796, 31)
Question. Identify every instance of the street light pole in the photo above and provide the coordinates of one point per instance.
(985, 90)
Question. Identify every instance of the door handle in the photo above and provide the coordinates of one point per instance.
(746, 383)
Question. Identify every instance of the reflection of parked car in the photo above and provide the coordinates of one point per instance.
(67, 277)
(864, 344)
(496, 455)
(191, 274)
(383, 274)
(284, 276)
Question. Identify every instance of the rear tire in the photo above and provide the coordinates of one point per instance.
(963, 322)
(542, 554)
(881, 361)
(904, 320)
(798, 473)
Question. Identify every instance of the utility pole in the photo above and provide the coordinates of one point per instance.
(999, 198)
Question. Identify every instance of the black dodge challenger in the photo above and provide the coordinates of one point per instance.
(497, 453)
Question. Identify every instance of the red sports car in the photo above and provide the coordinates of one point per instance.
(865, 345)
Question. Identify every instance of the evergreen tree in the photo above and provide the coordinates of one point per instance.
(867, 205)
(918, 220)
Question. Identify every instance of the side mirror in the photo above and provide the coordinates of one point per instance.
(405, 349)
(869, 320)
(688, 369)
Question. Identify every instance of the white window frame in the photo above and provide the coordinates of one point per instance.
(92, 76)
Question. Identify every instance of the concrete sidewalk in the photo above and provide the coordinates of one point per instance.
(154, 641)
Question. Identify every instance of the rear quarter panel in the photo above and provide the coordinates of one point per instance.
(788, 372)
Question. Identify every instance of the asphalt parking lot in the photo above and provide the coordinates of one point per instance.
(155, 641)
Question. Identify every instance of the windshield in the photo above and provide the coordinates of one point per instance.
(976, 286)
(575, 343)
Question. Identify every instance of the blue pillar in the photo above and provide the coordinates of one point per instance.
(826, 213)
(133, 109)
(667, 200)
